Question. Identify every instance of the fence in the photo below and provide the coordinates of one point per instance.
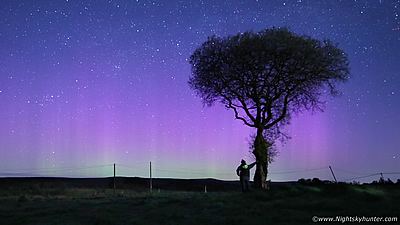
(144, 171)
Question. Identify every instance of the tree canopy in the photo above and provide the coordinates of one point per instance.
(266, 75)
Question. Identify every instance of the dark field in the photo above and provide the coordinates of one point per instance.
(93, 201)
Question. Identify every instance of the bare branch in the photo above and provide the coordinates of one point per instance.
(232, 106)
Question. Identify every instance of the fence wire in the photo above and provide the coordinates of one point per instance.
(187, 171)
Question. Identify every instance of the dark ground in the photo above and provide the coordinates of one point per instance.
(174, 201)
(136, 183)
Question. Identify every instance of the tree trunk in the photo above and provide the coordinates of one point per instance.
(261, 154)
(260, 177)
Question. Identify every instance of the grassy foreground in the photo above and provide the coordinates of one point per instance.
(286, 204)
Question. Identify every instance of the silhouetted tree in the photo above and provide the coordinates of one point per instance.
(389, 181)
(316, 181)
(301, 181)
(264, 77)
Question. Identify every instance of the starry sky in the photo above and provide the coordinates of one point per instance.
(86, 84)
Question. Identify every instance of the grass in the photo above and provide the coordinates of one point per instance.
(286, 204)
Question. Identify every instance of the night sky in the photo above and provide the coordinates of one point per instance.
(86, 84)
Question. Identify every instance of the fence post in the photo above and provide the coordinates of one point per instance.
(114, 177)
(334, 177)
(151, 181)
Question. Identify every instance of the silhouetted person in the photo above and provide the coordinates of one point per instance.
(243, 171)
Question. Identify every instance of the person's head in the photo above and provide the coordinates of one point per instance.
(243, 162)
